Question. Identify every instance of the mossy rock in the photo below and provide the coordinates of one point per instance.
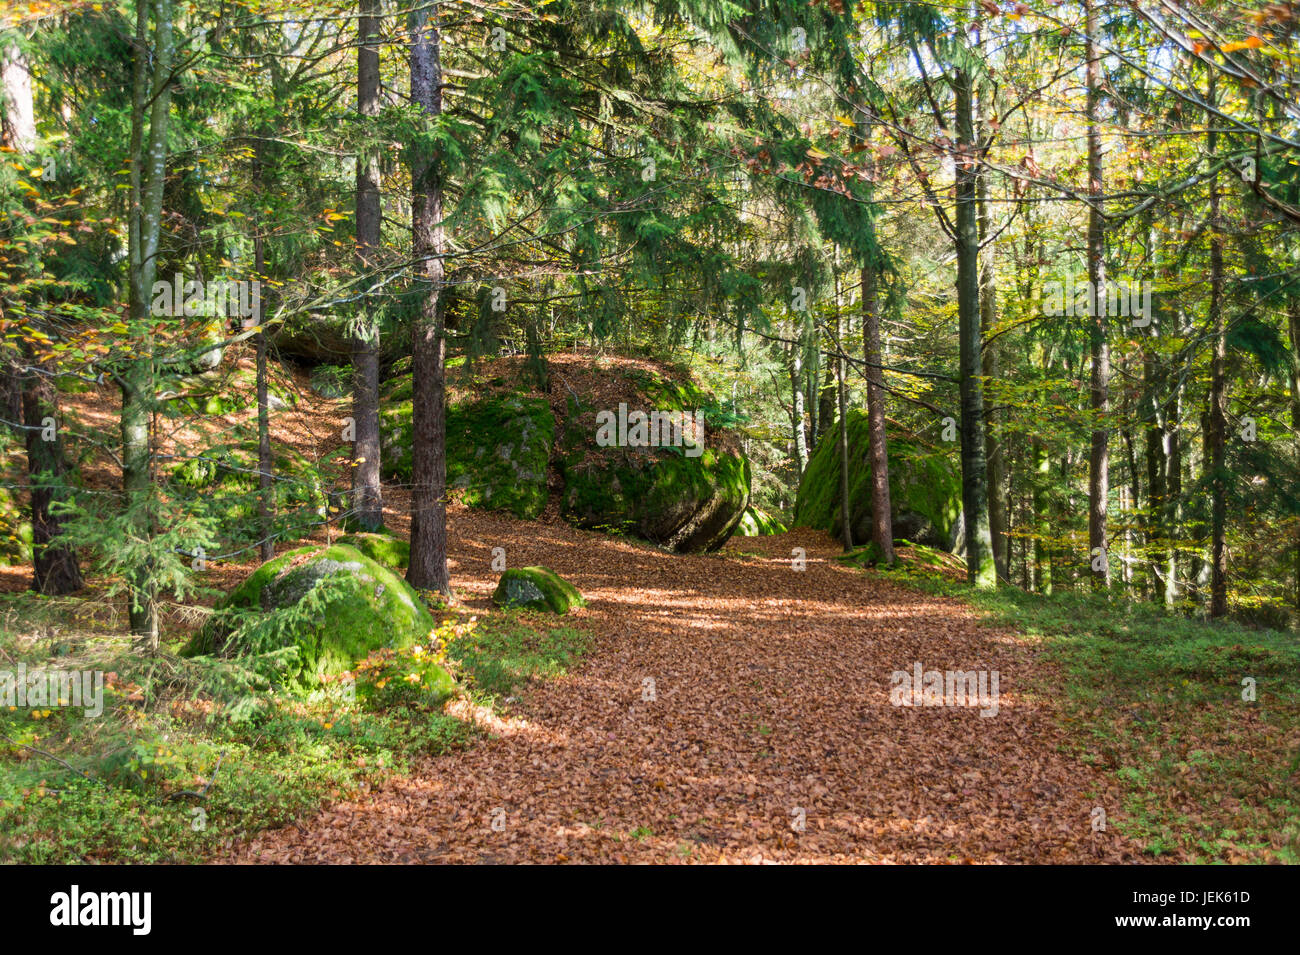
(756, 522)
(388, 550)
(537, 588)
(924, 488)
(498, 449)
(685, 501)
(369, 608)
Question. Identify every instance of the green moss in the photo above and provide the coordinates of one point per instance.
(756, 522)
(498, 450)
(369, 608)
(922, 481)
(537, 588)
(388, 550)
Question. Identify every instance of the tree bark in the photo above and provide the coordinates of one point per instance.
(995, 458)
(980, 567)
(367, 492)
(794, 366)
(846, 506)
(882, 520)
(428, 567)
(1099, 454)
(1293, 328)
(151, 95)
(56, 569)
(17, 118)
(1218, 399)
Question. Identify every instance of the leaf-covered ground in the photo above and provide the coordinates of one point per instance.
(770, 703)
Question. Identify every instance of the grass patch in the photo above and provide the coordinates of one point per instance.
(1156, 699)
(191, 756)
(503, 654)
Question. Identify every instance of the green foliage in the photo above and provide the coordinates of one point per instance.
(501, 656)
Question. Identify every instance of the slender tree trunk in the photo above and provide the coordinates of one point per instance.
(265, 479)
(428, 568)
(17, 118)
(846, 506)
(1173, 487)
(995, 460)
(1218, 400)
(980, 567)
(1157, 467)
(1099, 456)
(1043, 528)
(367, 493)
(56, 570)
(151, 105)
(1293, 327)
(794, 365)
(882, 520)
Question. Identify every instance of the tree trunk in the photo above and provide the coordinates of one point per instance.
(1293, 327)
(367, 493)
(980, 568)
(151, 94)
(428, 568)
(1216, 433)
(1157, 466)
(794, 365)
(1173, 487)
(882, 520)
(846, 506)
(995, 462)
(56, 568)
(265, 480)
(1099, 456)
(17, 118)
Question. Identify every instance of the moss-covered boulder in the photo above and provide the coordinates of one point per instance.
(687, 495)
(498, 448)
(388, 550)
(756, 522)
(537, 588)
(924, 487)
(366, 607)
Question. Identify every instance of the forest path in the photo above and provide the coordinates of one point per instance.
(771, 691)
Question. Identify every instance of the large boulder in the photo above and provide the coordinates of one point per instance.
(924, 488)
(367, 607)
(507, 447)
(687, 497)
(498, 448)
